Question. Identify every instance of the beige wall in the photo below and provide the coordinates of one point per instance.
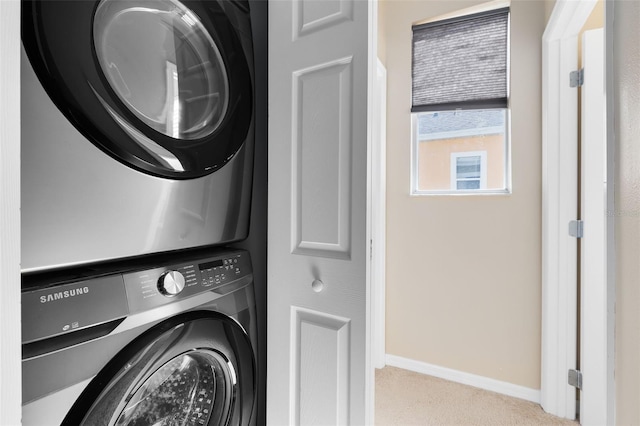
(548, 8)
(627, 209)
(382, 34)
(463, 272)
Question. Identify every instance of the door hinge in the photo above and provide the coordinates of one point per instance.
(575, 378)
(576, 78)
(576, 228)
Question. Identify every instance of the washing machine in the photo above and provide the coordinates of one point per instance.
(137, 128)
(167, 340)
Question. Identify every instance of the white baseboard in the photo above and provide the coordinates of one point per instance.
(469, 379)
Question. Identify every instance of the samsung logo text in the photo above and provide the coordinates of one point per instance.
(64, 294)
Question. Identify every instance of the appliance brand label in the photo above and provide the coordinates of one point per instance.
(64, 308)
(51, 297)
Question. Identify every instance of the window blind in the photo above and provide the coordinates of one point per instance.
(461, 63)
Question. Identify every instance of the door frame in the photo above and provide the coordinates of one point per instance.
(559, 206)
(378, 218)
(594, 356)
(374, 135)
(11, 382)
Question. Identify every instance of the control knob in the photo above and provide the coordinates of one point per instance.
(171, 283)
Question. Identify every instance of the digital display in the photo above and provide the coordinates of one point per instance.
(209, 265)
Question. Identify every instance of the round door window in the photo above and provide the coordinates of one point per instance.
(197, 368)
(163, 86)
(163, 65)
(195, 388)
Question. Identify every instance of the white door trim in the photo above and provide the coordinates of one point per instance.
(373, 110)
(595, 361)
(10, 373)
(611, 205)
(559, 204)
(378, 218)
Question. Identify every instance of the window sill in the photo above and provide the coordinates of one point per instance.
(461, 193)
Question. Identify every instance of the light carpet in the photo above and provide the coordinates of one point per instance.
(407, 398)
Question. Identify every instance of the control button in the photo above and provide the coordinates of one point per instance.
(171, 283)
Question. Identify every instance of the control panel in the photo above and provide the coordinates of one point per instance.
(158, 286)
(77, 304)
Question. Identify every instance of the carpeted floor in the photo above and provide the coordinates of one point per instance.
(407, 398)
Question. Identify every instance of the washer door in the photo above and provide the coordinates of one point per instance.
(196, 369)
(161, 85)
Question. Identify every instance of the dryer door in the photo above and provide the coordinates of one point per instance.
(196, 369)
(163, 86)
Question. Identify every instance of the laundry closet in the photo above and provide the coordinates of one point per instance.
(143, 233)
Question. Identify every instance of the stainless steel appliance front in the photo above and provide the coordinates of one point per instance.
(137, 128)
(164, 340)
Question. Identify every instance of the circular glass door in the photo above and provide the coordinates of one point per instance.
(163, 86)
(163, 65)
(197, 368)
(193, 388)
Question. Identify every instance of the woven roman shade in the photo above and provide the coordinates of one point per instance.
(461, 63)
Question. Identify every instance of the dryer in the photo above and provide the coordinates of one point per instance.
(137, 128)
(163, 341)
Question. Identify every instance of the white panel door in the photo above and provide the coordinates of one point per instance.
(596, 353)
(317, 345)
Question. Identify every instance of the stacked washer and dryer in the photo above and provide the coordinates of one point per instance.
(137, 157)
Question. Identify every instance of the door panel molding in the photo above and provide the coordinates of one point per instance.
(311, 15)
(321, 160)
(319, 344)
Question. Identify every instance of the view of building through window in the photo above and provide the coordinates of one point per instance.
(461, 150)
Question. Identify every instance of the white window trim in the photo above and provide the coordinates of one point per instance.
(454, 169)
(415, 161)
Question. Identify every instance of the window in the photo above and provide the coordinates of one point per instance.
(441, 136)
(469, 170)
(460, 103)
